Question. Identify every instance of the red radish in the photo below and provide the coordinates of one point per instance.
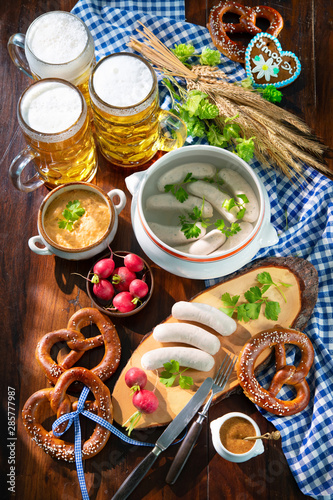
(121, 278)
(123, 302)
(134, 263)
(135, 379)
(103, 290)
(104, 267)
(139, 289)
(146, 402)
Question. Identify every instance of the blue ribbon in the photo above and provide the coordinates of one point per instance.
(75, 417)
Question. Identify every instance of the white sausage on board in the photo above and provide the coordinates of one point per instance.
(204, 314)
(187, 334)
(186, 356)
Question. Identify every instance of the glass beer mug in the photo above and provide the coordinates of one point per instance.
(57, 45)
(129, 124)
(52, 114)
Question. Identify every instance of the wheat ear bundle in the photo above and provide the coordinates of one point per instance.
(281, 138)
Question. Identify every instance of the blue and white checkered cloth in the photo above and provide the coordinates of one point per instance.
(307, 438)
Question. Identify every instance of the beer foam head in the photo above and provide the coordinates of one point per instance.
(57, 37)
(122, 81)
(58, 45)
(50, 107)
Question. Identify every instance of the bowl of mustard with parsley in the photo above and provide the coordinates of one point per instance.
(77, 221)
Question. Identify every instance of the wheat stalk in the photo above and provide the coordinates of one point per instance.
(281, 138)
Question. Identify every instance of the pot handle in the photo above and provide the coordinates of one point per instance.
(40, 251)
(270, 236)
(118, 192)
(133, 181)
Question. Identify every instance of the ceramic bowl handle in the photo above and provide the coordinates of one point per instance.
(133, 182)
(40, 251)
(118, 192)
(269, 237)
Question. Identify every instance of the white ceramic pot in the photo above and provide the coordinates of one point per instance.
(215, 426)
(43, 245)
(142, 185)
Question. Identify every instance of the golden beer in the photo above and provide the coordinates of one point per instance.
(53, 117)
(129, 124)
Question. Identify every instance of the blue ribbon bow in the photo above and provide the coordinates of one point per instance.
(75, 417)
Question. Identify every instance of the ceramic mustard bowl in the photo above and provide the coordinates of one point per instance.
(228, 434)
(77, 221)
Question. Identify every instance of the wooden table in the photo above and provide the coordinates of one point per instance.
(39, 294)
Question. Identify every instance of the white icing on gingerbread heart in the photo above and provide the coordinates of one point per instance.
(267, 64)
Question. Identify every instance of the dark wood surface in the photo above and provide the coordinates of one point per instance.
(39, 294)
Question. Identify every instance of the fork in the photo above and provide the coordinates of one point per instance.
(187, 445)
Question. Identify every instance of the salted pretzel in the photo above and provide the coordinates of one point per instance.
(60, 405)
(285, 374)
(219, 30)
(79, 344)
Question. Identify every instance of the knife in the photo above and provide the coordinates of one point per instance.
(165, 439)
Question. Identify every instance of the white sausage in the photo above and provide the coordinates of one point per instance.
(204, 314)
(186, 356)
(214, 196)
(172, 235)
(187, 334)
(206, 245)
(178, 174)
(167, 201)
(236, 239)
(238, 185)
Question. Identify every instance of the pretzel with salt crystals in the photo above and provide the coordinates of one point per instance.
(79, 344)
(285, 374)
(61, 404)
(219, 30)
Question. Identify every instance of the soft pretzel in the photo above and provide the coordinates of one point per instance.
(285, 374)
(79, 344)
(61, 404)
(219, 30)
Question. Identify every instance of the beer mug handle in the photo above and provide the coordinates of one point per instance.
(15, 45)
(172, 132)
(16, 168)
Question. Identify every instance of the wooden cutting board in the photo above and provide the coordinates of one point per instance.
(295, 312)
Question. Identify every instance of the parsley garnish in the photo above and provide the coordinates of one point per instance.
(231, 203)
(189, 225)
(170, 374)
(255, 300)
(177, 189)
(228, 231)
(72, 213)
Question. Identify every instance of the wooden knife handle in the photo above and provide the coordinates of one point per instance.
(184, 452)
(136, 475)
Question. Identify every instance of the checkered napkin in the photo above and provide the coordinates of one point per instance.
(302, 215)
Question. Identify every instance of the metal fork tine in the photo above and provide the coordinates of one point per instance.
(221, 366)
(224, 376)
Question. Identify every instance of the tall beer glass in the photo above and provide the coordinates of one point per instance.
(129, 124)
(52, 115)
(57, 45)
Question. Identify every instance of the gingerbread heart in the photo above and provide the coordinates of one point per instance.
(267, 64)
